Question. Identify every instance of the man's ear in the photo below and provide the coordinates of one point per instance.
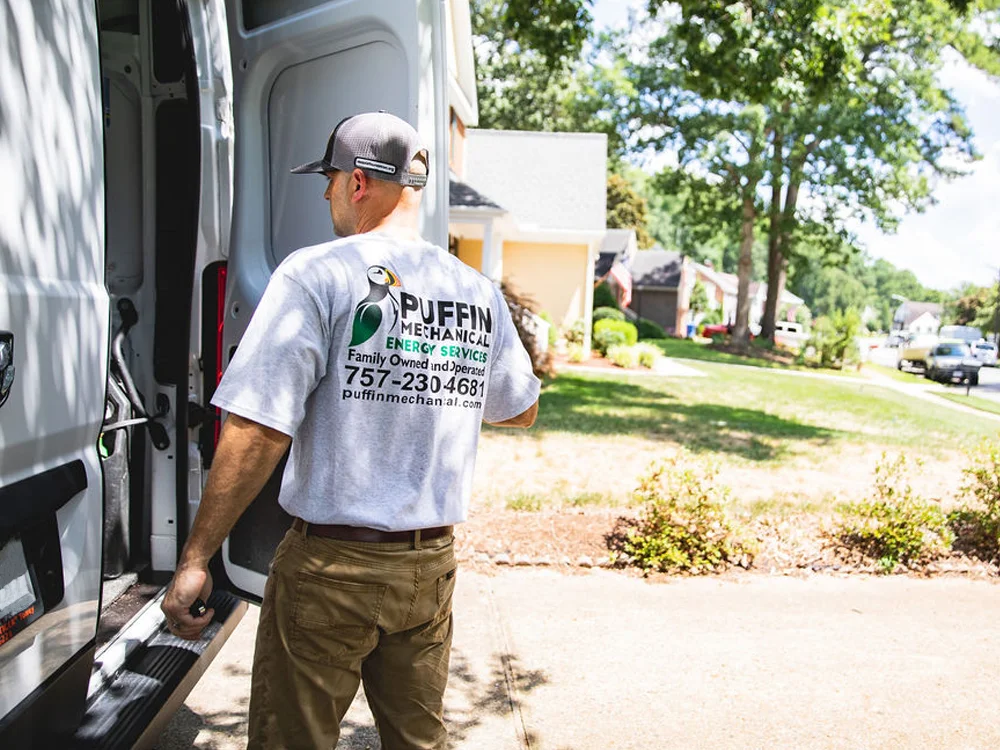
(359, 185)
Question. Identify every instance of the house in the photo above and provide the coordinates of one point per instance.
(723, 289)
(614, 263)
(513, 218)
(661, 288)
(917, 317)
(663, 282)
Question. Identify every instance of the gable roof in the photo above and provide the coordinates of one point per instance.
(618, 246)
(616, 240)
(910, 311)
(547, 181)
(461, 195)
(602, 266)
(657, 268)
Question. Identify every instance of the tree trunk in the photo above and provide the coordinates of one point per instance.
(741, 331)
(785, 245)
(774, 258)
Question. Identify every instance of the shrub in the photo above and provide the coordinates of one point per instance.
(978, 528)
(683, 526)
(576, 354)
(605, 339)
(574, 334)
(648, 355)
(712, 317)
(525, 501)
(608, 313)
(604, 296)
(833, 338)
(895, 525)
(648, 329)
(629, 330)
(623, 356)
(521, 311)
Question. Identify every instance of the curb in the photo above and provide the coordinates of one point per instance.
(503, 559)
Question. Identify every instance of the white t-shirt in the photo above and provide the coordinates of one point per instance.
(381, 359)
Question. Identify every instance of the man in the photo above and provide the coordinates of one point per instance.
(381, 355)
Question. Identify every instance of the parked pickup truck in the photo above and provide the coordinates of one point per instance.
(915, 351)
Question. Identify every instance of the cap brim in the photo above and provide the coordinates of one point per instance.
(320, 166)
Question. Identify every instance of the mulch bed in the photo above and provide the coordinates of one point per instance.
(575, 540)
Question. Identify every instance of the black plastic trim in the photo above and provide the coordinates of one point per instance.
(51, 712)
(28, 502)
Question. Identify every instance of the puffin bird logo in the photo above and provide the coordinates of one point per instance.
(378, 306)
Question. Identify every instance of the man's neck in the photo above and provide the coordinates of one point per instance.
(401, 224)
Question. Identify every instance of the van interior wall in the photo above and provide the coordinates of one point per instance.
(152, 160)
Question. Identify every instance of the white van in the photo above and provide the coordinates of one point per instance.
(145, 148)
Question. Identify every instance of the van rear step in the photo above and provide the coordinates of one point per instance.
(143, 676)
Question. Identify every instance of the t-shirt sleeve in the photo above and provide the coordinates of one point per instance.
(512, 387)
(280, 358)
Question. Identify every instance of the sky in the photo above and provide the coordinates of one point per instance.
(957, 239)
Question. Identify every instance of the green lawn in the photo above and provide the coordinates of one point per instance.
(757, 415)
(688, 349)
(785, 444)
(902, 376)
(976, 402)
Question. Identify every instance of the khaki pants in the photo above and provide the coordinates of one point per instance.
(339, 613)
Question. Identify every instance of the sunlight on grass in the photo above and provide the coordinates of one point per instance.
(903, 376)
(975, 402)
(785, 444)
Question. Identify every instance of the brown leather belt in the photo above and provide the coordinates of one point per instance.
(364, 534)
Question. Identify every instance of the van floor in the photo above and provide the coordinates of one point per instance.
(121, 600)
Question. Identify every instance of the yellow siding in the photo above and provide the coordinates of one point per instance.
(470, 252)
(554, 276)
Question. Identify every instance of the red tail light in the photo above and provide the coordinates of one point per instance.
(213, 300)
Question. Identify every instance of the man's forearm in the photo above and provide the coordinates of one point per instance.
(524, 419)
(244, 460)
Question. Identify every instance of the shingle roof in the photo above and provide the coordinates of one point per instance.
(913, 310)
(464, 196)
(656, 268)
(602, 267)
(616, 240)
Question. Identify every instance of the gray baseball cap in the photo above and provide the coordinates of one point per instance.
(378, 143)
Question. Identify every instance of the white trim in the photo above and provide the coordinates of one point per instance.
(463, 92)
(542, 134)
(466, 110)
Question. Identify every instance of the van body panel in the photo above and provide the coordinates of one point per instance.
(54, 303)
(299, 67)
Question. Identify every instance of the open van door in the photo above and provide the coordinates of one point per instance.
(54, 338)
(299, 67)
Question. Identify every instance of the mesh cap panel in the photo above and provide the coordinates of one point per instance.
(379, 143)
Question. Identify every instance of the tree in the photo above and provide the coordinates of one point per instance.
(837, 99)
(537, 69)
(968, 305)
(699, 299)
(627, 210)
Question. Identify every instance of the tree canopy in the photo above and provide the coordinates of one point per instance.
(790, 123)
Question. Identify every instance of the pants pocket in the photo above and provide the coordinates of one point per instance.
(334, 621)
(446, 588)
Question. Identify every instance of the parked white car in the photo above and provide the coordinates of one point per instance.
(986, 353)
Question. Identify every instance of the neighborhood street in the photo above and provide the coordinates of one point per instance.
(551, 661)
(989, 377)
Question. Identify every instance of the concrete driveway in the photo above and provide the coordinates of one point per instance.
(552, 661)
